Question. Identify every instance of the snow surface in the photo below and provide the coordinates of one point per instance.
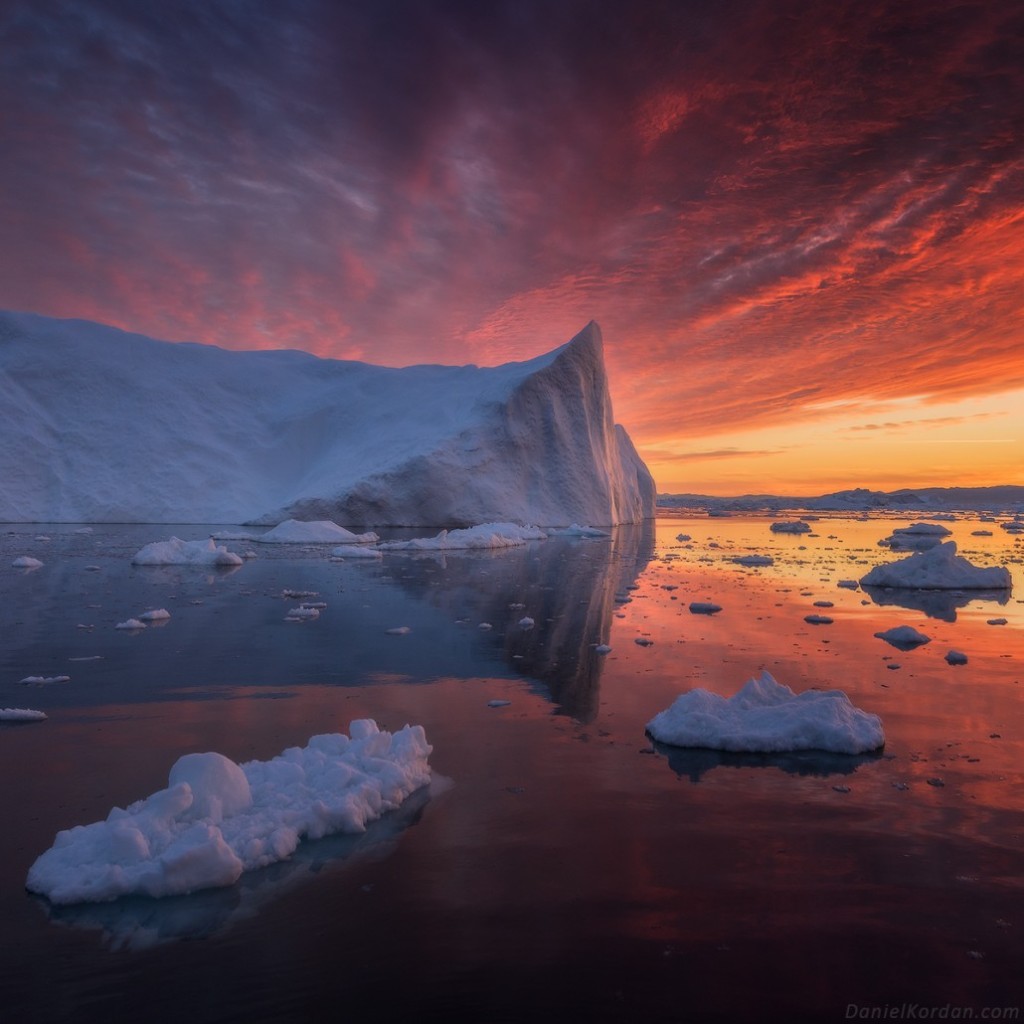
(939, 568)
(217, 819)
(485, 536)
(767, 717)
(185, 552)
(320, 531)
(206, 435)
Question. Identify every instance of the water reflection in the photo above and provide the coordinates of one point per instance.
(936, 604)
(694, 763)
(140, 922)
(228, 629)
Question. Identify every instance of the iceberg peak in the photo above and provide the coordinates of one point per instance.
(106, 426)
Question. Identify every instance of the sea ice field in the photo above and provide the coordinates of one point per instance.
(559, 863)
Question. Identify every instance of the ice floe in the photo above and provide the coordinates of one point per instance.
(185, 552)
(704, 607)
(939, 568)
(765, 716)
(21, 715)
(26, 562)
(317, 531)
(485, 536)
(363, 551)
(218, 819)
(791, 526)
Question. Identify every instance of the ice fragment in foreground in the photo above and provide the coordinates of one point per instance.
(217, 819)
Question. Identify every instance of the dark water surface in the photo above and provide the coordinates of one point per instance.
(561, 867)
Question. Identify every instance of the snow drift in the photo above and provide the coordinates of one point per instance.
(105, 426)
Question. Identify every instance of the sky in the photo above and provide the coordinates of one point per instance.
(800, 225)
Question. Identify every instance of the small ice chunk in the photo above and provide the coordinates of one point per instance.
(791, 526)
(956, 657)
(526, 622)
(398, 631)
(704, 607)
(130, 624)
(602, 649)
(155, 615)
(302, 613)
(818, 620)
(643, 641)
(21, 715)
(26, 562)
(44, 680)
(753, 560)
(765, 716)
(320, 531)
(487, 536)
(498, 703)
(185, 552)
(356, 551)
(903, 637)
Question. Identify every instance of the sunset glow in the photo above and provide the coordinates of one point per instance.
(800, 226)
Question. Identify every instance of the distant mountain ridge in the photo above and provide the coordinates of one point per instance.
(999, 498)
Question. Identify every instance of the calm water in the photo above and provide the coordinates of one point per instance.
(561, 867)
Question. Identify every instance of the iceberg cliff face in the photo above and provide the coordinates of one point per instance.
(104, 426)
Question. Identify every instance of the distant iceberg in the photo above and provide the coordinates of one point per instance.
(767, 717)
(217, 819)
(938, 568)
(105, 426)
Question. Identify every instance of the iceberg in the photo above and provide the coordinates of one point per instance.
(217, 819)
(938, 568)
(918, 537)
(106, 426)
(767, 717)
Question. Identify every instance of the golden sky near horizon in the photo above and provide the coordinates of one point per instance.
(799, 225)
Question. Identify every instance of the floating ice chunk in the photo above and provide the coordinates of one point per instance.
(765, 716)
(644, 641)
(498, 703)
(578, 531)
(525, 622)
(130, 624)
(155, 615)
(355, 551)
(602, 649)
(217, 819)
(185, 552)
(940, 568)
(848, 584)
(918, 537)
(995, 622)
(818, 620)
(704, 607)
(904, 637)
(791, 526)
(26, 562)
(320, 531)
(21, 715)
(956, 657)
(44, 680)
(488, 535)
(683, 537)
(753, 560)
(303, 613)
(398, 631)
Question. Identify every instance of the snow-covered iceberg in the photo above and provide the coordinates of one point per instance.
(105, 426)
(217, 819)
(765, 716)
(938, 568)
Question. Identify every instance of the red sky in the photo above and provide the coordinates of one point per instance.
(800, 225)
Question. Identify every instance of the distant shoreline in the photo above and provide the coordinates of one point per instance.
(1006, 498)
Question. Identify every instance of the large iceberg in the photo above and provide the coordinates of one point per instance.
(938, 568)
(217, 818)
(104, 426)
